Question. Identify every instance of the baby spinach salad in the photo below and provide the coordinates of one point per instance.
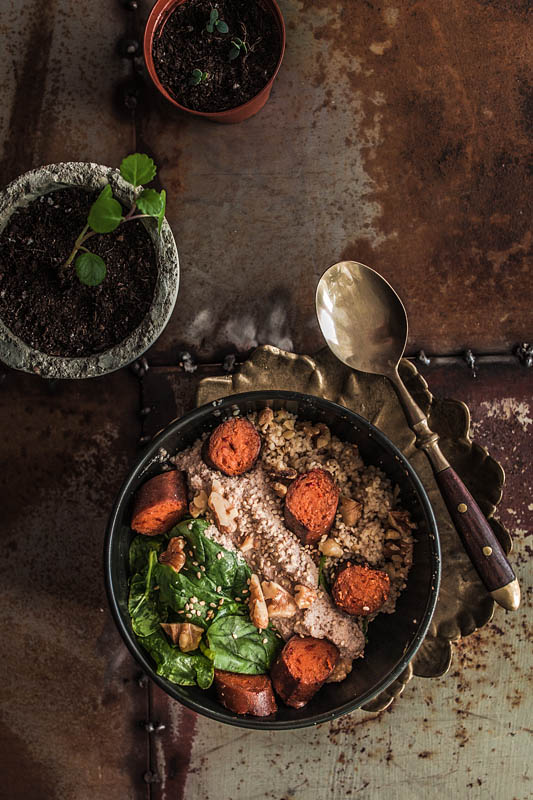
(209, 591)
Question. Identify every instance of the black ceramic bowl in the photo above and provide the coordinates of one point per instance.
(393, 639)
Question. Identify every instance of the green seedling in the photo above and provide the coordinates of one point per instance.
(215, 22)
(106, 214)
(197, 76)
(237, 47)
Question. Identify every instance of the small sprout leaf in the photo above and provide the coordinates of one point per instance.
(222, 27)
(161, 215)
(150, 202)
(234, 52)
(213, 17)
(138, 169)
(105, 213)
(197, 76)
(90, 269)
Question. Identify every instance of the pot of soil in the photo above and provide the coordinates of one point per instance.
(215, 58)
(70, 312)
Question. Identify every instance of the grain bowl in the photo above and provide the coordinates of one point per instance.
(303, 434)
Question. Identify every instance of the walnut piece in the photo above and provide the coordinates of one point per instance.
(172, 630)
(246, 544)
(329, 547)
(341, 670)
(278, 600)
(280, 489)
(350, 510)
(174, 555)
(199, 504)
(225, 515)
(257, 605)
(189, 637)
(304, 596)
(400, 521)
(265, 417)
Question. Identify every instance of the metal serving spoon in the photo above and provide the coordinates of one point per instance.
(364, 323)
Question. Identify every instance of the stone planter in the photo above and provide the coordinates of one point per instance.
(14, 352)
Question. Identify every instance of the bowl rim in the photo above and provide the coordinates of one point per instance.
(223, 715)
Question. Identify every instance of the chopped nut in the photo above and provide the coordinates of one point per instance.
(400, 520)
(283, 474)
(350, 510)
(174, 555)
(225, 515)
(172, 630)
(322, 442)
(304, 596)
(392, 534)
(278, 600)
(247, 544)
(199, 504)
(341, 670)
(289, 434)
(189, 637)
(257, 605)
(324, 430)
(265, 417)
(330, 548)
(280, 489)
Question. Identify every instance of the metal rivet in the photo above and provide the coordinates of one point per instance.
(487, 551)
(462, 508)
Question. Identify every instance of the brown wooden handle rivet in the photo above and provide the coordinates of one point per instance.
(487, 551)
(462, 508)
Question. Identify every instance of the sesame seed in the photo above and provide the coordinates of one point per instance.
(187, 606)
(202, 602)
(190, 553)
(199, 612)
(213, 605)
(194, 599)
(198, 575)
(366, 608)
(202, 568)
(238, 599)
(221, 601)
(188, 616)
(265, 640)
(219, 589)
(244, 591)
(195, 563)
(234, 635)
(219, 555)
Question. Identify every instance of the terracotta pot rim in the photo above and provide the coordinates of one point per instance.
(164, 7)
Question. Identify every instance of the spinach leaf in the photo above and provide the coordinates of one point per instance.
(140, 551)
(177, 589)
(239, 646)
(223, 567)
(187, 669)
(142, 601)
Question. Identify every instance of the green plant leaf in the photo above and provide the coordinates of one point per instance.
(161, 215)
(105, 213)
(90, 269)
(240, 647)
(140, 551)
(138, 169)
(150, 202)
(222, 26)
(196, 77)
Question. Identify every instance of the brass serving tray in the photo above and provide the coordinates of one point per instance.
(464, 605)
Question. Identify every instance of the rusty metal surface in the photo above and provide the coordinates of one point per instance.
(397, 134)
(70, 703)
(59, 73)
(467, 732)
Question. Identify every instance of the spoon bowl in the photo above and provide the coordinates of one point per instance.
(361, 317)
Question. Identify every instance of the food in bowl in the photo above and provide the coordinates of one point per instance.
(289, 547)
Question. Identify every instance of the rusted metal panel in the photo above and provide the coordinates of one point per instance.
(467, 732)
(397, 134)
(70, 703)
(60, 72)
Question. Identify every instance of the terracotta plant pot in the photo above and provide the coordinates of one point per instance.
(157, 19)
(28, 187)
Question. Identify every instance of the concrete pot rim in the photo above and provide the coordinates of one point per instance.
(80, 174)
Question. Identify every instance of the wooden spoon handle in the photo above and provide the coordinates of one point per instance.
(479, 540)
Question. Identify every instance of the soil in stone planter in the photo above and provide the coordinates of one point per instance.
(185, 45)
(45, 304)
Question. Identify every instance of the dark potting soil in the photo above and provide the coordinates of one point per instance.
(45, 304)
(185, 45)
